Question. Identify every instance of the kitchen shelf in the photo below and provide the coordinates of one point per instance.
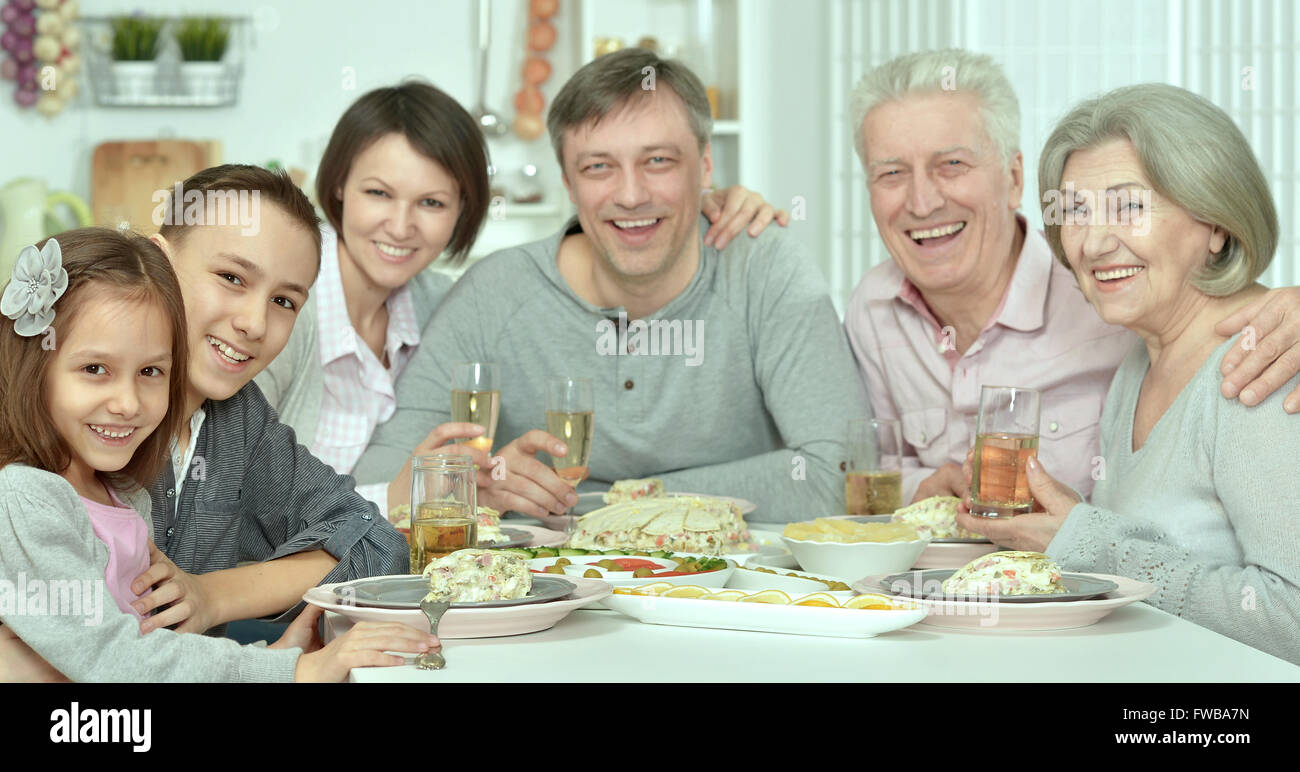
(165, 85)
(713, 37)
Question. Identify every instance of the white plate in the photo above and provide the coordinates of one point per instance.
(993, 617)
(763, 617)
(952, 554)
(542, 537)
(473, 622)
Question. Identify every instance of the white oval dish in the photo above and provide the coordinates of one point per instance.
(764, 617)
(750, 581)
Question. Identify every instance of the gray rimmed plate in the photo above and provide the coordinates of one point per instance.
(514, 538)
(405, 592)
(888, 518)
(928, 585)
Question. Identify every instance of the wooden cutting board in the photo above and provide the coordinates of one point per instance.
(125, 176)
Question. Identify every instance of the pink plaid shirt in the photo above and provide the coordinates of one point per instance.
(358, 388)
(1044, 336)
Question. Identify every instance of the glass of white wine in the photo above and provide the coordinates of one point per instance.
(444, 515)
(873, 477)
(570, 417)
(476, 399)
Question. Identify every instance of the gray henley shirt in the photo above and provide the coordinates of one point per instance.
(740, 386)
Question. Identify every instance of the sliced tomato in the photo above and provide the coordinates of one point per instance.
(632, 564)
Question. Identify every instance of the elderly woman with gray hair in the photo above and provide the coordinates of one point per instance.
(1154, 199)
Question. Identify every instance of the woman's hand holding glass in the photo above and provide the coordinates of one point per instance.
(1053, 501)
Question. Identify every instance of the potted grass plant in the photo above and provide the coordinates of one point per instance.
(135, 49)
(202, 42)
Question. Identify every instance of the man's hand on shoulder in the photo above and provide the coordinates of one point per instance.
(1267, 355)
(732, 209)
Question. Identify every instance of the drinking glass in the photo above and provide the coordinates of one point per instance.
(570, 416)
(1006, 437)
(476, 399)
(873, 477)
(444, 512)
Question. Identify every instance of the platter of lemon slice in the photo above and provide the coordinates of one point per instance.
(766, 611)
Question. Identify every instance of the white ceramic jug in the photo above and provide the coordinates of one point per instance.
(25, 207)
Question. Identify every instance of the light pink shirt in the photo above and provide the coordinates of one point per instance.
(1044, 335)
(127, 537)
(358, 388)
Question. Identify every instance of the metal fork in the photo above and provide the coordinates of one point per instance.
(433, 609)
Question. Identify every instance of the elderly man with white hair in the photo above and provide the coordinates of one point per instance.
(973, 296)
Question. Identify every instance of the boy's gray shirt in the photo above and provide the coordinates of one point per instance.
(253, 493)
(741, 386)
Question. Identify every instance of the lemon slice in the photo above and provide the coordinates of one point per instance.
(731, 595)
(654, 588)
(818, 599)
(623, 590)
(685, 591)
(871, 601)
(767, 596)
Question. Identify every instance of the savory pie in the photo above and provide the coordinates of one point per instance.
(1006, 573)
(683, 523)
(629, 490)
(472, 576)
(935, 517)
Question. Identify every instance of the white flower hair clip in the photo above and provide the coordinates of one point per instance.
(38, 280)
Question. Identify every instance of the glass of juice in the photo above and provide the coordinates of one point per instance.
(476, 399)
(873, 475)
(570, 417)
(1006, 437)
(444, 512)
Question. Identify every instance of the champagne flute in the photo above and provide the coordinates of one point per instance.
(873, 479)
(444, 510)
(570, 416)
(476, 399)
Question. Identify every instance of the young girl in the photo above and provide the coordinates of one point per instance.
(403, 180)
(93, 372)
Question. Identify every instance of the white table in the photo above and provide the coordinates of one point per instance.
(1135, 643)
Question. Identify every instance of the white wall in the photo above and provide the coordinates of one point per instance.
(293, 89)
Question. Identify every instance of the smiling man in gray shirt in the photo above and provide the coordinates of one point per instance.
(722, 372)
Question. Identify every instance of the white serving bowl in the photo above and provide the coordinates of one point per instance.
(855, 560)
